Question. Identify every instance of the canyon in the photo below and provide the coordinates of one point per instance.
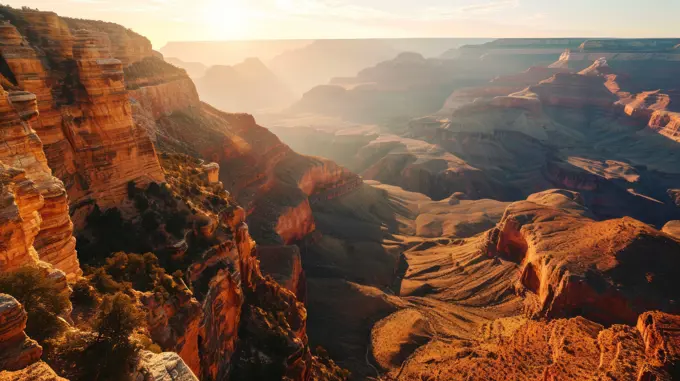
(520, 221)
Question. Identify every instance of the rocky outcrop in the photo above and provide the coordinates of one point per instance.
(295, 223)
(39, 371)
(598, 270)
(124, 44)
(498, 87)
(17, 350)
(672, 228)
(662, 344)
(166, 366)
(212, 171)
(19, 219)
(666, 123)
(564, 349)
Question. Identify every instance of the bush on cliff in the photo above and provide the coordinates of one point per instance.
(105, 354)
(42, 297)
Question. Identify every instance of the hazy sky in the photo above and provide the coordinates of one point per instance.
(168, 20)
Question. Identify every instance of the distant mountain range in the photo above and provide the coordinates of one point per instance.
(303, 64)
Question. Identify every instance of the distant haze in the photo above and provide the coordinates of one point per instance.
(208, 20)
(233, 52)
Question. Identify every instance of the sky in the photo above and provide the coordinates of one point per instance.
(208, 20)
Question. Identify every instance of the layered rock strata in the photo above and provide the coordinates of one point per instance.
(85, 118)
(23, 149)
(17, 350)
(570, 273)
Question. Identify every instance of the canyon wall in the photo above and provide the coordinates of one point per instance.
(22, 149)
(85, 118)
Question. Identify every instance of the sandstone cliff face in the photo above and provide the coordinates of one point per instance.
(19, 219)
(124, 44)
(23, 149)
(568, 274)
(17, 350)
(163, 99)
(55, 243)
(221, 318)
(85, 119)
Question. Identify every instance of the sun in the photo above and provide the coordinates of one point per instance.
(228, 19)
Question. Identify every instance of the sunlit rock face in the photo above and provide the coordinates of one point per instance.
(17, 350)
(37, 371)
(166, 96)
(23, 149)
(21, 220)
(568, 274)
(85, 119)
(166, 366)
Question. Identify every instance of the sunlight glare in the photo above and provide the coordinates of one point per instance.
(226, 18)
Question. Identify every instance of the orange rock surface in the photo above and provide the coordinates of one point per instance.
(39, 371)
(86, 126)
(23, 149)
(17, 350)
(571, 265)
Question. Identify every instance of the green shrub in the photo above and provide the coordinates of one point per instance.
(118, 318)
(106, 354)
(83, 294)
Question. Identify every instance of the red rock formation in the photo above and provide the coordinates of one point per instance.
(573, 349)
(124, 44)
(666, 123)
(17, 350)
(212, 170)
(295, 223)
(19, 219)
(112, 151)
(221, 318)
(28, 71)
(662, 344)
(599, 270)
(162, 99)
(87, 126)
(52, 34)
(22, 149)
(499, 87)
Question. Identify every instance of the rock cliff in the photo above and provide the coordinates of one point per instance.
(578, 278)
(17, 350)
(23, 149)
(85, 119)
